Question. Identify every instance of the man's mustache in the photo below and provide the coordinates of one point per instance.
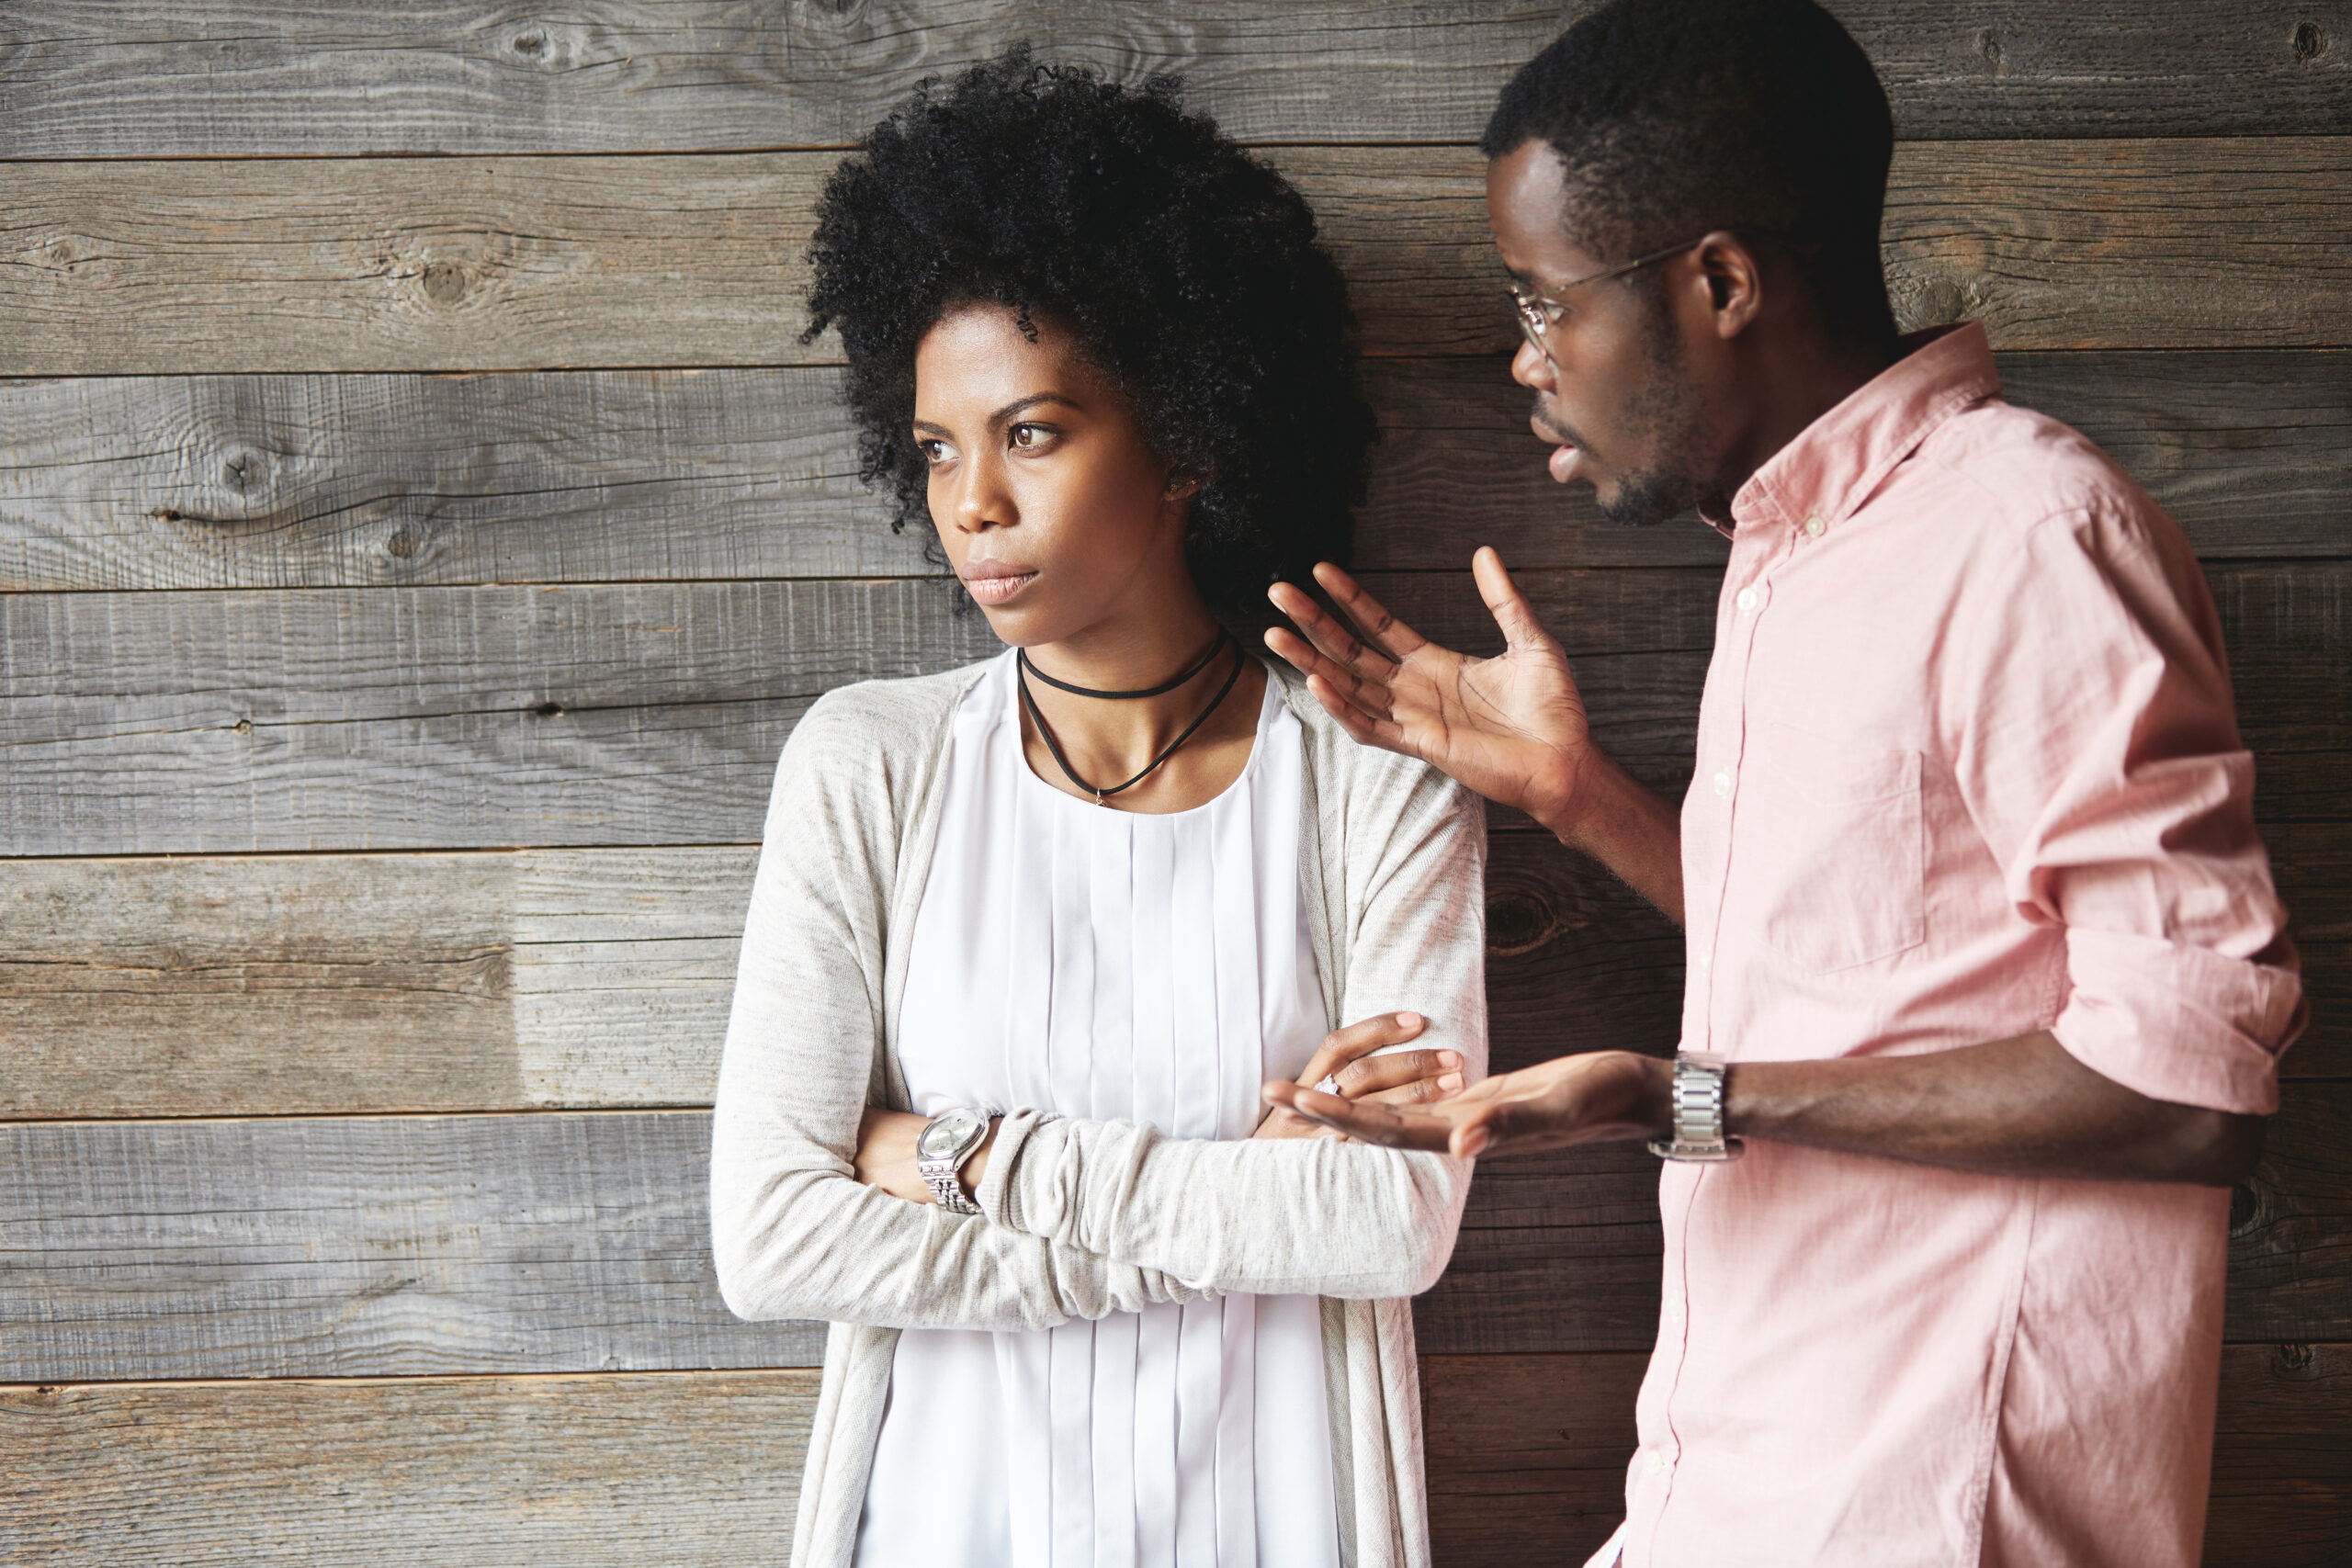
(1552, 427)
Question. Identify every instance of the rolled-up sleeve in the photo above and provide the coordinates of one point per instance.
(2100, 754)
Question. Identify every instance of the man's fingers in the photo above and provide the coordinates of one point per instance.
(1398, 640)
(1366, 691)
(1335, 641)
(1509, 608)
(1373, 1124)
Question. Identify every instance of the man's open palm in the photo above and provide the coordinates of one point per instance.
(1512, 727)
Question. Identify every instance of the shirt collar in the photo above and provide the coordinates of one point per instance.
(1836, 462)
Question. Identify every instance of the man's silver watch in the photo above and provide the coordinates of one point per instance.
(1698, 1111)
(947, 1141)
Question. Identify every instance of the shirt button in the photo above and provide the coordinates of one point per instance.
(1674, 1307)
(1653, 1461)
(1747, 601)
(1723, 785)
(1705, 958)
(1813, 525)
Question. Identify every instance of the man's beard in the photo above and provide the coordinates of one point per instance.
(1667, 414)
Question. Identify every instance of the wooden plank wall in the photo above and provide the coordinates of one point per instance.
(420, 526)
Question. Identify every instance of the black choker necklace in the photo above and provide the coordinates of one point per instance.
(1024, 670)
(1162, 690)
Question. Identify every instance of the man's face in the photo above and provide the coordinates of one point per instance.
(1614, 392)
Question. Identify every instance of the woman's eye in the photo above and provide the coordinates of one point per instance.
(1028, 437)
(934, 452)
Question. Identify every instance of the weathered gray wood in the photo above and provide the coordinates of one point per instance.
(324, 1246)
(698, 1471)
(1527, 1458)
(563, 1242)
(218, 482)
(652, 712)
(630, 75)
(281, 482)
(601, 978)
(481, 263)
(198, 78)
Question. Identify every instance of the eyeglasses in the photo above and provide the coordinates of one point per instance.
(1536, 312)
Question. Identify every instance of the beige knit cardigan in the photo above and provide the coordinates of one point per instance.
(1081, 1218)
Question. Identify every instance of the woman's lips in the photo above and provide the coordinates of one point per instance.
(995, 584)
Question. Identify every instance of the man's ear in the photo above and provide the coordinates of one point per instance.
(1735, 281)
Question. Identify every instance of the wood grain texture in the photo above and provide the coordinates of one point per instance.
(2282, 1459)
(318, 1246)
(695, 1471)
(652, 712)
(202, 77)
(1527, 1458)
(148, 267)
(315, 1247)
(284, 481)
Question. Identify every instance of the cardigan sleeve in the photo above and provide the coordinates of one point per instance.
(1294, 1216)
(794, 1234)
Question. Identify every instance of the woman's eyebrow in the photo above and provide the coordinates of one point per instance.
(1031, 401)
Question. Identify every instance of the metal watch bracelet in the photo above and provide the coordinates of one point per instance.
(1698, 1122)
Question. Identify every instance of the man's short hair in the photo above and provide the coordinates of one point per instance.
(1678, 116)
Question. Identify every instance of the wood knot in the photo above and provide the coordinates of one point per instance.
(2246, 1208)
(404, 543)
(1518, 919)
(2293, 1359)
(531, 43)
(549, 709)
(445, 283)
(2311, 41)
(244, 727)
(1988, 44)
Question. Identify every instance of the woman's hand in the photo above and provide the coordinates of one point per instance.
(1401, 1079)
(886, 1154)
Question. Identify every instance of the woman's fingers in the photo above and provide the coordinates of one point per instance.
(1441, 1071)
(1342, 1046)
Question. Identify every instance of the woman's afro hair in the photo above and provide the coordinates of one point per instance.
(1187, 270)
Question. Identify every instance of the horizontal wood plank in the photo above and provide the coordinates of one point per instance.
(518, 262)
(284, 481)
(652, 712)
(696, 1472)
(570, 1242)
(204, 77)
(601, 978)
(320, 1247)
(1527, 1457)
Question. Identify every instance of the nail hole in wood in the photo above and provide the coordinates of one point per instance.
(548, 709)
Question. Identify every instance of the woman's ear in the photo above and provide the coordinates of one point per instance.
(1179, 488)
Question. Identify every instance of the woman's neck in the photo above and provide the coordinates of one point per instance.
(1109, 740)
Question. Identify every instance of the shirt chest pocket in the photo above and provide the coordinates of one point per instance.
(1830, 843)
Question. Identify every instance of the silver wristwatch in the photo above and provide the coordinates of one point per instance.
(1698, 1111)
(944, 1144)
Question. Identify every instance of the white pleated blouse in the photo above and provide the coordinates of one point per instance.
(1109, 964)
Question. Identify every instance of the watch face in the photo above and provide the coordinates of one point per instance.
(948, 1132)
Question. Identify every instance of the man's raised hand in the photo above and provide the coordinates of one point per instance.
(1512, 727)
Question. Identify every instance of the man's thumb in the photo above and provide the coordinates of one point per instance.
(1504, 601)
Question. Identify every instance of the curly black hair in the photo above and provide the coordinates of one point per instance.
(1187, 270)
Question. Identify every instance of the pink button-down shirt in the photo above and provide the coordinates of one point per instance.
(1967, 769)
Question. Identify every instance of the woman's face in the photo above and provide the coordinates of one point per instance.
(1058, 517)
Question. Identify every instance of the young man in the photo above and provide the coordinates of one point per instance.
(1977, 914)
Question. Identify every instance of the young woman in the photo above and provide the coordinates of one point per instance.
(1027, 937)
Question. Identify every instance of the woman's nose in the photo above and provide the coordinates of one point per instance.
(982, 501)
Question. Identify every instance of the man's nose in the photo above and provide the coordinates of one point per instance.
(1532, 367)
